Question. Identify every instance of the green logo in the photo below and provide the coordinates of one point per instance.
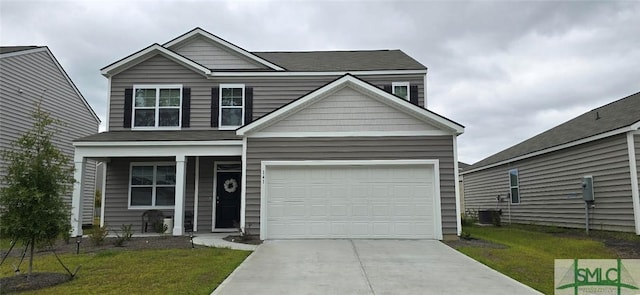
(596, 276)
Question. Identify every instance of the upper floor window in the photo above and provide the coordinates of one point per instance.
(232, 101)
(157, 106)
(514, 186)
(401, 89)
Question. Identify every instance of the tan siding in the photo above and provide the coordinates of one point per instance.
(353, 148)
(550, 187)
(348, 110)
(29, 78)
(270, 93)
(214, 56)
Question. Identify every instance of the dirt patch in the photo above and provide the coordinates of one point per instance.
(36, 281)
(248, 239)
(477, 243)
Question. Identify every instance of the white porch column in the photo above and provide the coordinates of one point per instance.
(76, 199)
(178, 214)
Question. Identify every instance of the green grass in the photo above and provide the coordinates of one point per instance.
(530, 253)
(167, 271)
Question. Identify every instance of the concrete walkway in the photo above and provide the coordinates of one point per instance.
(216, 240)
(364, 267)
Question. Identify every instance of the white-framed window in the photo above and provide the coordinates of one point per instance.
(400, 89)
(157, 107)
(152, 185)
(231, 106)
(514, 186)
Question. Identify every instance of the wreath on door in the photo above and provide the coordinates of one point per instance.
(230, 185)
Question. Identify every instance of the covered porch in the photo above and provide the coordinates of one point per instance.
(172, 172)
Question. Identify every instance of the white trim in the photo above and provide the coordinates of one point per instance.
(220, 106)
(104, 192)
(62, 72)
(156, 107)
(456, 176)
(153, 185)
(401, 84)
(77, 196)
(243, 193)
(196, 194)
(147, 53)
(425, 90)
(351, 134)
(312, 73)
(157, 151)
(215, 193)
(635, 187)
(106, 127)
(220, 41)
(436, 174)
(357, 84)
(558, 147)
(156, 143)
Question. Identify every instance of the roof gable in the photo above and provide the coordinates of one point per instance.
(24, 50)
(151, 51)
(215, 56)
(616, 117)
(200, 33)
(326, 96)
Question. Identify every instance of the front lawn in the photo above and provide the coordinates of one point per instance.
(530, 251)
(154, 271)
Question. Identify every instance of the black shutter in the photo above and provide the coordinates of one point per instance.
(248, 105)
(387, 88)
(186, 107)
(413, 94)
(128, 106)
(215, 96)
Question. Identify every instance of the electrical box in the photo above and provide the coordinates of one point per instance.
(587, 189)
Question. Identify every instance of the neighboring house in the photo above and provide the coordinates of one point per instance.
(540, 179)
(461, 167)
(280, 144)
(31, 74)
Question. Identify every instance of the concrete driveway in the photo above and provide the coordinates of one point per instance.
(364, 267)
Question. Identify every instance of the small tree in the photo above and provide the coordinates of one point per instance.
(38, 176)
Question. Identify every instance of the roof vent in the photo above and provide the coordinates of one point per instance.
(597, 115)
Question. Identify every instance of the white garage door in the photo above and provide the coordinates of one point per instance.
(349, 201)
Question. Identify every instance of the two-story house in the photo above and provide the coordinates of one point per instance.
(327, 144)
(30, 75)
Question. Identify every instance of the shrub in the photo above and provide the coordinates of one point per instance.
(98, 234)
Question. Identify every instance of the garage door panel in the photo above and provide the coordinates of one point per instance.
(366, 201)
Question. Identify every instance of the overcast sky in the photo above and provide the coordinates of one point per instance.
(504, 70)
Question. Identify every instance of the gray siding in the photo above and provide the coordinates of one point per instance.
(351, 148)
(214, 56)
(117, 212)
(269, 93)
(28, 78)
(349, 110)
(550, 187)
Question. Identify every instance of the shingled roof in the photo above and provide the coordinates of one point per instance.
(613, 116)
(325, 61)
(174, 135)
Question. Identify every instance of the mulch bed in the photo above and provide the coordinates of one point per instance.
(246, 239)
(40, 280)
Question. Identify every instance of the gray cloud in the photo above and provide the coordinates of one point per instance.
(505, 70)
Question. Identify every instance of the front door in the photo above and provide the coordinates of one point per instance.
(228, 199)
